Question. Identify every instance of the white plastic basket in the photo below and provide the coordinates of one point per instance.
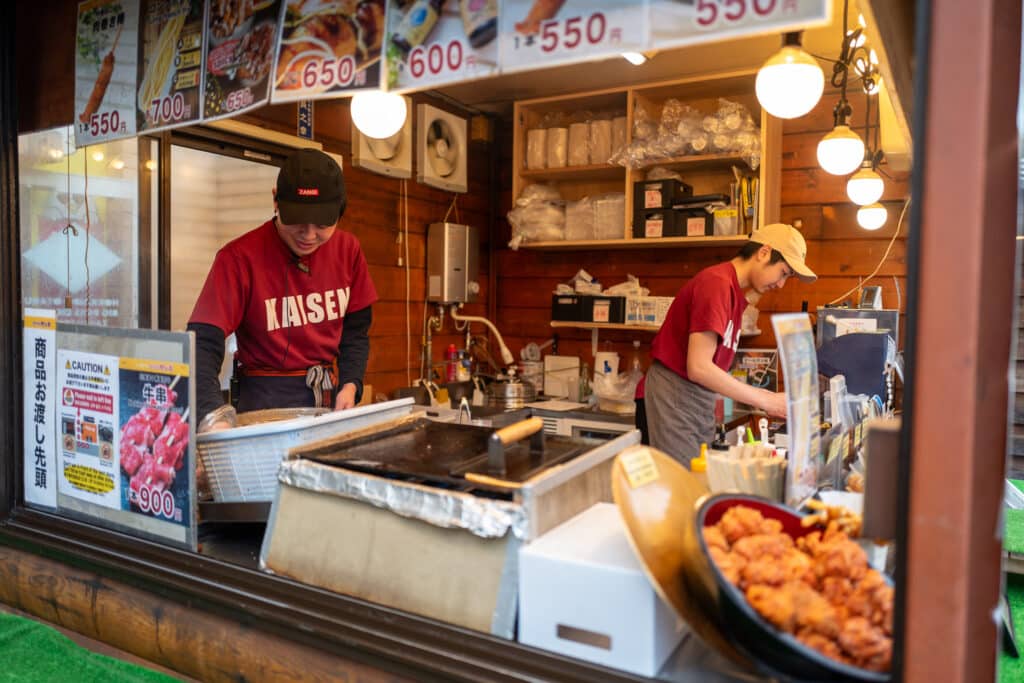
(241, 463)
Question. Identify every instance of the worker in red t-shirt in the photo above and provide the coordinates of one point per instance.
(297, 294)
(694, 348)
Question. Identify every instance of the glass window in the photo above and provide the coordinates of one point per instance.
(81, 215)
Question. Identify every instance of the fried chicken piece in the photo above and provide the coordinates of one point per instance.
(843, 559)
(812, 610)
(836, 589)
(771, 526)
(793, 565)
(866, 644)
(713, 538)
(763, 545)
(730, 564)
(820, 643)
(774, 605)
(872, 599)
(739, 521)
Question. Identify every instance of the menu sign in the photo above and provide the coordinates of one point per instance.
(675, 23)
(241, 45)
(431, 42)
(40, 379)
(327, 49)
(542, 33)
(799, 363)
(170, 64)
(105, 70)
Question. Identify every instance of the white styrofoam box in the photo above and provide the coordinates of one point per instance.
(583, 593)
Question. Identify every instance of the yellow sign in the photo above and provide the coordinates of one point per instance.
(161, 367)
(37, 323)
(88, 479)
(639, 467)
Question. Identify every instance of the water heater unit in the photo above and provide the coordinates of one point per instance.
(452, 254)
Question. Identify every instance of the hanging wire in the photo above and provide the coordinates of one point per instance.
(88, 227)
(69, 229)
(888, 249)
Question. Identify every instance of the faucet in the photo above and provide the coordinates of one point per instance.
(506, 355)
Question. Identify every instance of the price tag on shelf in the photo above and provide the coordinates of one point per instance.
(105, 70)
(577, 30)
(674, 24)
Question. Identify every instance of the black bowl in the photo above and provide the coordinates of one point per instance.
(778, 653)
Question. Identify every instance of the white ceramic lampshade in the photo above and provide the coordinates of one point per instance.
(872, 216)
(841, 151)
(790, 83)
(378, 114)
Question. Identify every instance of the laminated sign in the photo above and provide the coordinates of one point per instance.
(106, 54)
(170, 64)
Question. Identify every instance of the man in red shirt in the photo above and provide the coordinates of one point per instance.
(296, 292)
(694, 348)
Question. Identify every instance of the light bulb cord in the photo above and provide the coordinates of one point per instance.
(888, 249)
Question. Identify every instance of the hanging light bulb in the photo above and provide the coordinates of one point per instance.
(117, 164)
(841, 151)
(97, 155)
(790, 83)
(150, 164)
(865, 186)
(872, 216)
(378, 114)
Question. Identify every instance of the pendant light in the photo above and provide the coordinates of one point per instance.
(841, 151)
(872, 216)
(378, 114)
(865, 186)
(790, 83)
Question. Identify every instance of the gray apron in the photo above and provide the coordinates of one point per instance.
(680, 414)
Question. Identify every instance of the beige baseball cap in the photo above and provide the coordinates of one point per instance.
(788, 241)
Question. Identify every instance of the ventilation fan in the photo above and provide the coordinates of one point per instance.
(390, 156)
(441, 149)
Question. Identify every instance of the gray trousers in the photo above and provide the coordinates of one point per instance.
(680, 414)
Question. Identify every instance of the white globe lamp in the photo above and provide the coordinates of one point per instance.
(790, 83)
(872, 216)
(865, 186)
(378, 114)
(841, 151)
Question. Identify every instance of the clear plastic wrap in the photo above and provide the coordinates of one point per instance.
(600, 141)
(617, 393)
(579, 143)
(618, 135)
(558, 147)
(609, 216)
(536, 148)
(683, 130)
(579, 220)
(538, 216)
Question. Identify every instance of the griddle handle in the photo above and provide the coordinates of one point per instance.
(533, 427)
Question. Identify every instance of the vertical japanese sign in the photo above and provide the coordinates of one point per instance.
(88, 397)
(799, 363)
(40, 378)
(431, 42)
(304, 127)
(170, 65)
(241, 43)
(674, 23)
(328, 49)
(154, 439)
(542, 33)
(106, 44)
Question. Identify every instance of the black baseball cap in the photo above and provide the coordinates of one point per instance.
(310, 189)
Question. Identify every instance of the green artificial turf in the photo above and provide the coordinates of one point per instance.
(1011, 670)
(31, 652)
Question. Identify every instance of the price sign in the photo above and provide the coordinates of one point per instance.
(328, 66)
(239, 57)
(426, 49)
(170, 64)
(578, 30)
(674, 24)
(105, 70)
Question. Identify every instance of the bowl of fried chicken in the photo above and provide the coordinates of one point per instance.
(801, 601)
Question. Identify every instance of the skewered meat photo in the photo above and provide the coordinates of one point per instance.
(227, 15)
(256, 52)
(153, 445)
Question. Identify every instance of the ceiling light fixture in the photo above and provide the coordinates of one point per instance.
(866, 186)
(841, 151)
(872, 216)
(378, 114)
(117, 164)
(790, 83)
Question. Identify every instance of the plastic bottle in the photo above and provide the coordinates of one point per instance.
(699, 466)
(584, 391)
(463, 370)
(480, 19)
(451, 363)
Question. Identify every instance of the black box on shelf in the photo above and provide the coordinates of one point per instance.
(695, 222)
(604, 309)
(656, 223)
(567, 307)
(659, 194)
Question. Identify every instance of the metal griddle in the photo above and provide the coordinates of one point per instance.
(452, 455)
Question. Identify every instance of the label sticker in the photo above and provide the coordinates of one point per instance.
(639, 467)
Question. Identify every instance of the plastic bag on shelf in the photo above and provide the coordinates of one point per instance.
(579, 143)
(617, 393)
(631, 287)
(662, 173)
(538, 216)
(538, 192)
(609, 216)
(579, 220)
(536, 148)
(600, 140)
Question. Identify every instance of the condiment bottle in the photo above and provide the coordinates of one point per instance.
(480, 19)
(416, 24)
(452, 363)
(699, 466)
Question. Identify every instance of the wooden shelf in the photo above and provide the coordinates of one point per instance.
(605, 326)
(699, 161)
(638, 243)
(591, 172)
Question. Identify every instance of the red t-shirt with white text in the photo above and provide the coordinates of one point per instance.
(712, 301)
(287, 312)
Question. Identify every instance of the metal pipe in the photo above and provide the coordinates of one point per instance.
(506, 355)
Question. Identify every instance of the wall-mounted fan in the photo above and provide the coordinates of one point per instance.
(389, 156)
(441, 149)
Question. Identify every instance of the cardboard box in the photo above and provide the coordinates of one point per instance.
(440, 553)
(583, 593)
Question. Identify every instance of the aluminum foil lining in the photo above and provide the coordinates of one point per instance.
(483, 517)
